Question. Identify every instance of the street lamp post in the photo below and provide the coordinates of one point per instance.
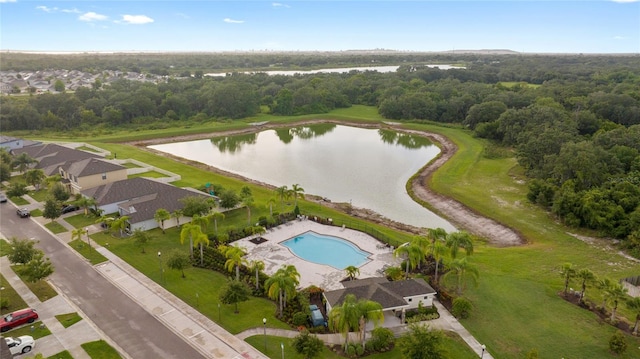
(264, 323)
(484, 347)
(282, 347)
(160, 263)
(86, 230)
(219, 313)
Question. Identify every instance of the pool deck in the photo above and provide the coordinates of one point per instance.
(274, 254)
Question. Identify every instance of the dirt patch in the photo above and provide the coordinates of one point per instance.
(457, 213)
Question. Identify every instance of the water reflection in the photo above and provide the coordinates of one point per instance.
(403, 139)
(233, 144)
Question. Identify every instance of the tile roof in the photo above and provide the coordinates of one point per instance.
(388, 294)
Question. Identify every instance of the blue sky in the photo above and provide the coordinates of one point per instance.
(591, 26)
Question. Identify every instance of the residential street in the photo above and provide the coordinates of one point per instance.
(123, 320)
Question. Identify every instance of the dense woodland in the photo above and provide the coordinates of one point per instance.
(573, 122)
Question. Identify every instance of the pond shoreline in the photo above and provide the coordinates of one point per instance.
(460, 215)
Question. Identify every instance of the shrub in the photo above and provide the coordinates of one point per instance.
(381, 339)
(461, 307)
(617, 343)
(359, 349)
(300, 318)
(351, 350)
(309, 346)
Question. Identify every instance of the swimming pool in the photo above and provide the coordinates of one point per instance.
(329, 250)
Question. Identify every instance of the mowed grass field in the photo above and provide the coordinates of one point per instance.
(516, 305)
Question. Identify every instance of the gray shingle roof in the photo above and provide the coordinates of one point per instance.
(388, 294)
(142, 197)
(50, 156)
(92, 166)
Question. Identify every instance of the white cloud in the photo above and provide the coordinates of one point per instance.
(231, 21)
(619, 37)
(625, 1)
(71, 11)
(47, 9)
(4, 1)
(277, 4)
(92, 16)
(136, 19)
(182, 15)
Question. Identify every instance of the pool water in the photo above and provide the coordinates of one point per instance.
(333, 251)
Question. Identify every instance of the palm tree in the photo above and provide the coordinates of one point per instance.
(200, 221)
(412, 254)
(270, 202)
(354, 314)
(78, 233)
(282, 284)
(234, 258)
(247, 201)
(352, 272)
(177, 214)
(201, 240)
(106, 220)
(23, 161)
(120, 224)
(257, 265)
(345, 317)
(189, 230)
(216, 216)
(603, 284)
(436, 235)
(462, 270)
(297, 191)
(587, 278)
(85, 203)
(634, 305)
(457, 240)
(160, 216)
(615, 294)
(567, 272)
(283, 193)
(35, 177)
(438, 252)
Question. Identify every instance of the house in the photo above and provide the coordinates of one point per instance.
(91, 172)
(395, 296)
(12, 143)
(51, 156)
(140, 198)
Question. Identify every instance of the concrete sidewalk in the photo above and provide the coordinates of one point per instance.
(61, 338)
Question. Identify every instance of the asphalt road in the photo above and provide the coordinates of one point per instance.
(133, 329)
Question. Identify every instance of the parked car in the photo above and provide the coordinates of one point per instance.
(3, 197)
(20, 345)
(70, 208)
(23, 212)
(18, 318)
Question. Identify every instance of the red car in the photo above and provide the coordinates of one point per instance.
(17, 318)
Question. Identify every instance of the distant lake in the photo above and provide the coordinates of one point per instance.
(382, 69)
(366, 167)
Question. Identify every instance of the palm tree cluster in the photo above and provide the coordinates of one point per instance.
(281, 286)
(285, 193)
(613, 293)
(444, 248)
(353, 314)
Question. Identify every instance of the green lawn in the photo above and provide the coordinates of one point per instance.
(516, 306)
(55, 227)
(62, 355)
(150, 174)
(80, 220)
(455, 346)
(100, 350)
(19, 201)
(68, 319)
(15, 301)
(40, 195)
(89, 253)
(41, 288)
(39, 330)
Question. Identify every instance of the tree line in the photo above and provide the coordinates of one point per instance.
(572, 121)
